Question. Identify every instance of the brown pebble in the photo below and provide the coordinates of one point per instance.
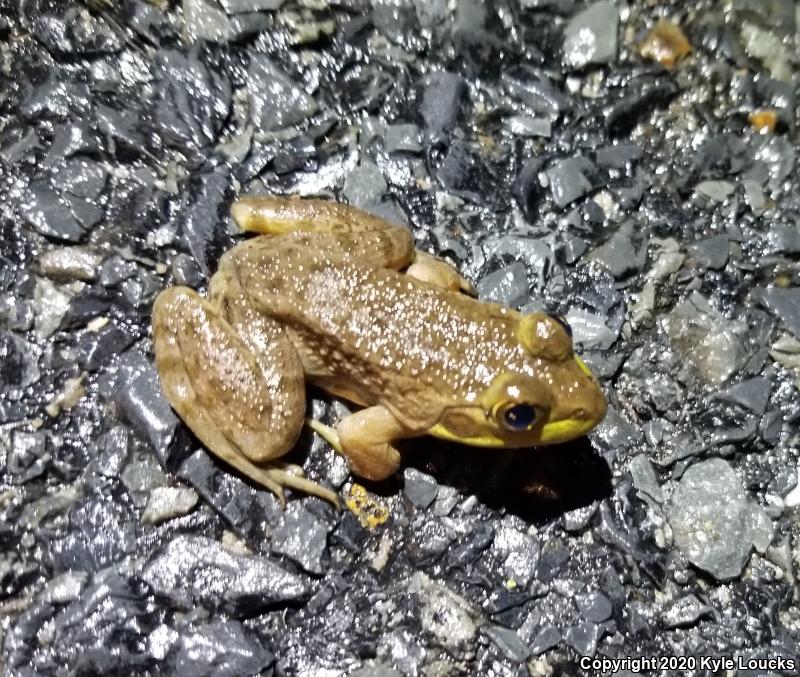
(665, 43)
(763, 121)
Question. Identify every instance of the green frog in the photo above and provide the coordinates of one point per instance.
(332, 296)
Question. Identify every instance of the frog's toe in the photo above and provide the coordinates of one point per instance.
(439, 273)
(326, 433)
(291, 469)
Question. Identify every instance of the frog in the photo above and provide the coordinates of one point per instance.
(327, 295)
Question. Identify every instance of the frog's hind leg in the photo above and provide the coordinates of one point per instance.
(327, 225)
(246, 403)
(276, 215)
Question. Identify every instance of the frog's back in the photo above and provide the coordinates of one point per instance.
(377, 332)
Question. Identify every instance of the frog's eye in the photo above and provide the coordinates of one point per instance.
(563, 322)
(517, 416)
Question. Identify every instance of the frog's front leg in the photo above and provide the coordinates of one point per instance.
(245, 402)
(365, 439)
(435, 271)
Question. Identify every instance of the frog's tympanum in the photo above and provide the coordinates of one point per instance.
(330, 295)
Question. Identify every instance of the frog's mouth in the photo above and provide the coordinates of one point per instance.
(554, 432)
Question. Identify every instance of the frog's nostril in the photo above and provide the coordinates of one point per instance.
(580, 414)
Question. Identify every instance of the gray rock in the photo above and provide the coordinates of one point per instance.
(519, 554)
(366, 188)
(554, 555)
(779, 157)
(301, 536)
(49, 214)
(403, 649)
(754, 194)
(644, 477)
(164, 503)
(713, 252)
(57, 96)
(55, 502)
(508, 285)
(16, 314)
(219, 649)
(241, 6)
(783, 303)
(535, 253)
(783, 239)
(140, 400)
(106, 609)
(430, 12)
(111, 452)
(50, 304)
(547, 637)
(617, 156)
(752, 394)
(577, 519)
(441, 103)
(591, 36)
(583, 638)
(616, 431)
(275, 100)
(421, 489)
(375, 670)
(623, 253)
(364, 185)
(712, 343)
(685, 611)
(70, 263)
(65, 587)
(466, 174)
(509, 642)
(196, 570)
(87, 213)
(101, 532)
(191, 101)
(402, 138)
(200, 223)
(716, 191)
(186, 271)
(141, 475)
(114, 270)
(23, 147)
(594, 606)
(120, 125)
(20, 360)
(590, 330)
(445, 616)
(247, 25)
(524, 125)
(574, 248)
(203, 20)
(713, 522)
(569, 179)
(98, 348)
(80, 177)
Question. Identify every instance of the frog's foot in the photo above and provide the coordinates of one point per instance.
(327, 225)
(237, 401)
(275, 214)
(435, 271)
(276, 476)
(364, 439)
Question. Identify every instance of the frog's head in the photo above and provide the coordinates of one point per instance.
(556, 400)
